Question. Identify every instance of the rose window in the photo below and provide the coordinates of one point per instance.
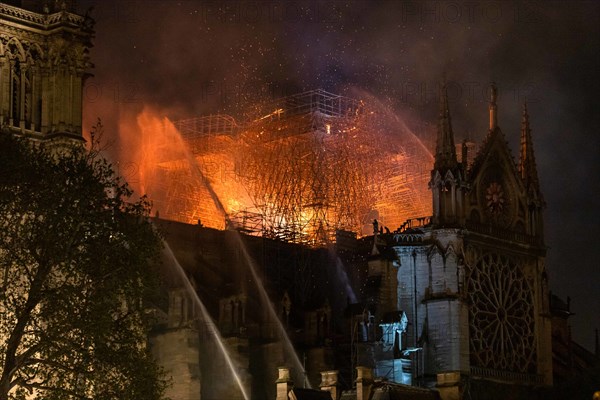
(494, 197)
(501, 316)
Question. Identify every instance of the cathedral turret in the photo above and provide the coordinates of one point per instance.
(447, 176)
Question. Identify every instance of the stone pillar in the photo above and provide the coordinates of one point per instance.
(453, 194)
(449, 385)
(22, 96)
(46, 95)
(3, 79)
(78, 101)
(11, 90)
(436, 200)
(329, 383)
(33, 103)
(364, 383)
(284, 383)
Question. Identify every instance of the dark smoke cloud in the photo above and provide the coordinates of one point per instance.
(190, 58)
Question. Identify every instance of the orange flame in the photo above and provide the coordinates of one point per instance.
(271, 181)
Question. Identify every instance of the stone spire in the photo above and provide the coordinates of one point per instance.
(527, 165)
(447, 176)
(445, 150)
(493, 107)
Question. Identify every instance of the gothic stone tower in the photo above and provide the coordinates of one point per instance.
(472, 279)
(43, 63)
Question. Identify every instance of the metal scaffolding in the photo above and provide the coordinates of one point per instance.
(298, 169)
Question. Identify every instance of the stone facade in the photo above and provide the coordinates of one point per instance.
(43, 64)
(472, 279)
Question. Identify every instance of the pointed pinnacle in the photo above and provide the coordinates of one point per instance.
(445, 150)
(527, 164)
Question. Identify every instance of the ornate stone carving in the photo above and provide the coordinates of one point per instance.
(502, 321)
(43, 62)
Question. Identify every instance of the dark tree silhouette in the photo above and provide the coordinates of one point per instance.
(76, 272)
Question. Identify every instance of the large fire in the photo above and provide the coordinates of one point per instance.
(299, 169)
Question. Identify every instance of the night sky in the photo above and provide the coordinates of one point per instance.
(190, 58)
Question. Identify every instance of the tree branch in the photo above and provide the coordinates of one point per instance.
(41, 386)
(14, 340)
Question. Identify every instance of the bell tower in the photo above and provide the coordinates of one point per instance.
(473, 282)
(43, 64)
(504, 254)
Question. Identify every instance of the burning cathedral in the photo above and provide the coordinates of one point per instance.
(456, 301)
(318, 252)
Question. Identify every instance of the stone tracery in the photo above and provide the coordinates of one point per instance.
(502, 316)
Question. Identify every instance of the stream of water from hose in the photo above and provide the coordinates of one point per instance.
(272, 314)
(210, 325)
